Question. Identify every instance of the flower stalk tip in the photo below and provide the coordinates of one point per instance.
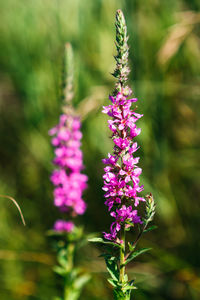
(68, 77)
(122, 70)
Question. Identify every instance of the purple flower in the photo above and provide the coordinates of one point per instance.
(110, 160)
(61, 226)
(121, 178)
(67, 179)
(121, 143)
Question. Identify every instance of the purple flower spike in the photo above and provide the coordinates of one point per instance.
(121, 178)
(67, 179)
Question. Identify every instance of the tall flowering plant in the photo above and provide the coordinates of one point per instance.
(69, 184)
(121, 179)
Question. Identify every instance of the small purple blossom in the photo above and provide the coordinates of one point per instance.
(63, 226)
(67, 179)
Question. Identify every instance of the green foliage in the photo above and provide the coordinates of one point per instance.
(151, 228)
(112, 267)
(135, 254)
(119, 294)
(121, 290)
(150, 209)
(74, 278)
(106, 242)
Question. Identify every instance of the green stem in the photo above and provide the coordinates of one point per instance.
(70, 256)
(122, 257)
(67, 292)
(121, 296)
(119, 293)
(69, 267)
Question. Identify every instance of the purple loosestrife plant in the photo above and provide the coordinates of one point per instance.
(121, 179)
(69, 184)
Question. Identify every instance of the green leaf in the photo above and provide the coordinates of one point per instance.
(112, 267)
(131, 282)
(118, 294)
(114, 274)
(129, 287)
(62, 258)
(135, 254)
(54, 233)
(100, 240)
(81, 281)
(112, 282)
(59, 270)
(131, 247)
(125, 278)
(150, 228)
(130, 223)
(128, 228)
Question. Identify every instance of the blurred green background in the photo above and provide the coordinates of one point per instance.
(165, 62)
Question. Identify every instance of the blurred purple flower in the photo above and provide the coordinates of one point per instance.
(67, 179)
(61, 225)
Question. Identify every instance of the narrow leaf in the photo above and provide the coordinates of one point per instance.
(135, 254)
(128, 287)
(150, 228)
(131, 247)
(112, 268)
(125, 278)
(81, 281)
(112, 282)
(59, 270)
(100, 240)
